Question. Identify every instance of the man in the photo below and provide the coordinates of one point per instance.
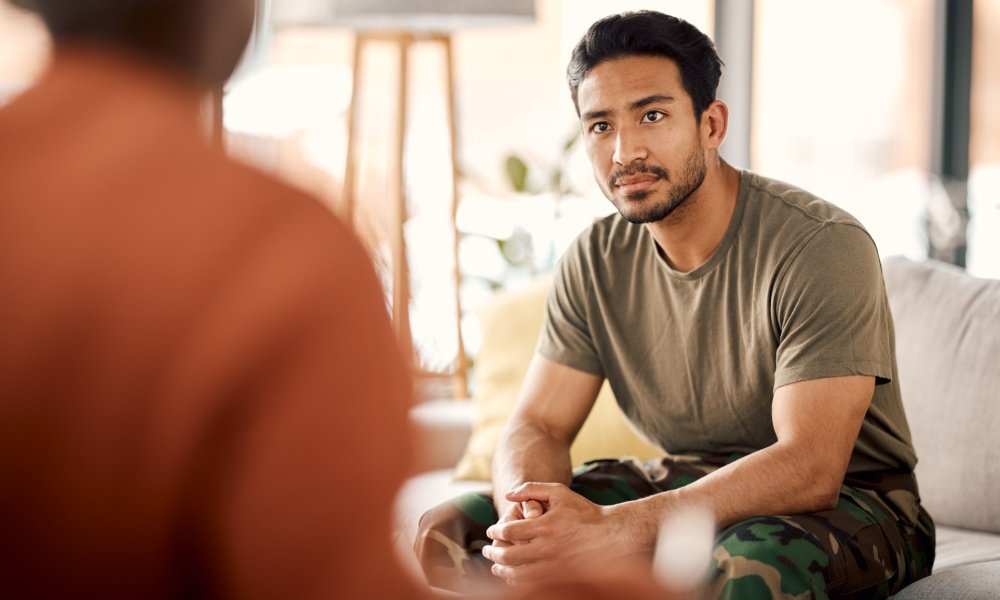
(190, 350)
(743, 326)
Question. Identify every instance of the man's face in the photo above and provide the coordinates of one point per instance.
(641, 135)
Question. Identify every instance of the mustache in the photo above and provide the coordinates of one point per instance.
(634, 169)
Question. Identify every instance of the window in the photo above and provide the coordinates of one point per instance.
(842, 104)
(984, 150)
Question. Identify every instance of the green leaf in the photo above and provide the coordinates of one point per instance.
(571, 141)
(517, 173)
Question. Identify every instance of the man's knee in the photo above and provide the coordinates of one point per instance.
(470, 511)
(769, 557)
(450, 539)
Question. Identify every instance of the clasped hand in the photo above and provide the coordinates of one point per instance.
(548, 527)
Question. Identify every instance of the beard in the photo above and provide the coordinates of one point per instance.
(642, 207)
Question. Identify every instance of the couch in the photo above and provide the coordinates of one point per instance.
(948, 352)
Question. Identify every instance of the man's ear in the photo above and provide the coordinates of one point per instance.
(714, 124)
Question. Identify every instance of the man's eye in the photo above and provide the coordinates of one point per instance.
(600, 127)
(652, 116)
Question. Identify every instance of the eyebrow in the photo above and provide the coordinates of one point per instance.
(600, 114)
(651, 100)
(595, 114)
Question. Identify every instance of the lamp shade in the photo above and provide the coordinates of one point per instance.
(403, 15)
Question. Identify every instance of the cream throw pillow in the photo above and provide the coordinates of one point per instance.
(511, 324)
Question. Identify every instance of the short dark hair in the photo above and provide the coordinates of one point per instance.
(132, 22)
(173, 32)
(650, 33)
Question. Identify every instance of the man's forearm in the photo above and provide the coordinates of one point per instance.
(776, 480)
(524, 453)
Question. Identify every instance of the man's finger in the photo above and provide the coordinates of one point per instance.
(514, 531)
(540, 492)
(511, 555)
(511, 514)
(522, 574)
(532, 509)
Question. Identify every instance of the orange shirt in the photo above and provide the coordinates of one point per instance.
(199, 388)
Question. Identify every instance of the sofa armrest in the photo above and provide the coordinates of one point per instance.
(441, 431)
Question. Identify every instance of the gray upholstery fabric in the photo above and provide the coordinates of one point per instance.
(957, 547)
(948, 348)
(980, 581)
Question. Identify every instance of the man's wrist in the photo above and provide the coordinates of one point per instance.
(635, 524)
(500, 501)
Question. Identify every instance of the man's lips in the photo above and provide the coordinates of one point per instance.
(636, 183)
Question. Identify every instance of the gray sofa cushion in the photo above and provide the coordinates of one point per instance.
(969, 582)
(956, 547)
(948, 348)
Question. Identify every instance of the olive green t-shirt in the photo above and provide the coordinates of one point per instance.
(793, 292)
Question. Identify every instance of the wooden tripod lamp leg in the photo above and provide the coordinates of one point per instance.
(353, 110)
(461, 381)
(400, 261)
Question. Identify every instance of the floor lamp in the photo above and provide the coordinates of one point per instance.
(404, 23)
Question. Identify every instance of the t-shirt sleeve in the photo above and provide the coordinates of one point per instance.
(566, 333)
(830, 310)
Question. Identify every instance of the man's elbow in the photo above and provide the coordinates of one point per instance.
(824, 491)
(826, 499)
(522, 428)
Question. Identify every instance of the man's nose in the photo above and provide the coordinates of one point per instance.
(628, 148)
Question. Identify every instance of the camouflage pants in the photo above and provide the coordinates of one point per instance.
(877, 540)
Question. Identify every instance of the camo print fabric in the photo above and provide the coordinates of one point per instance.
(877, 540)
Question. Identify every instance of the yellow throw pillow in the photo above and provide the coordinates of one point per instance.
(511, 324)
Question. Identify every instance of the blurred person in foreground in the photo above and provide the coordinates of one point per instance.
(190, 349)
(743, 326)
(200, 392)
